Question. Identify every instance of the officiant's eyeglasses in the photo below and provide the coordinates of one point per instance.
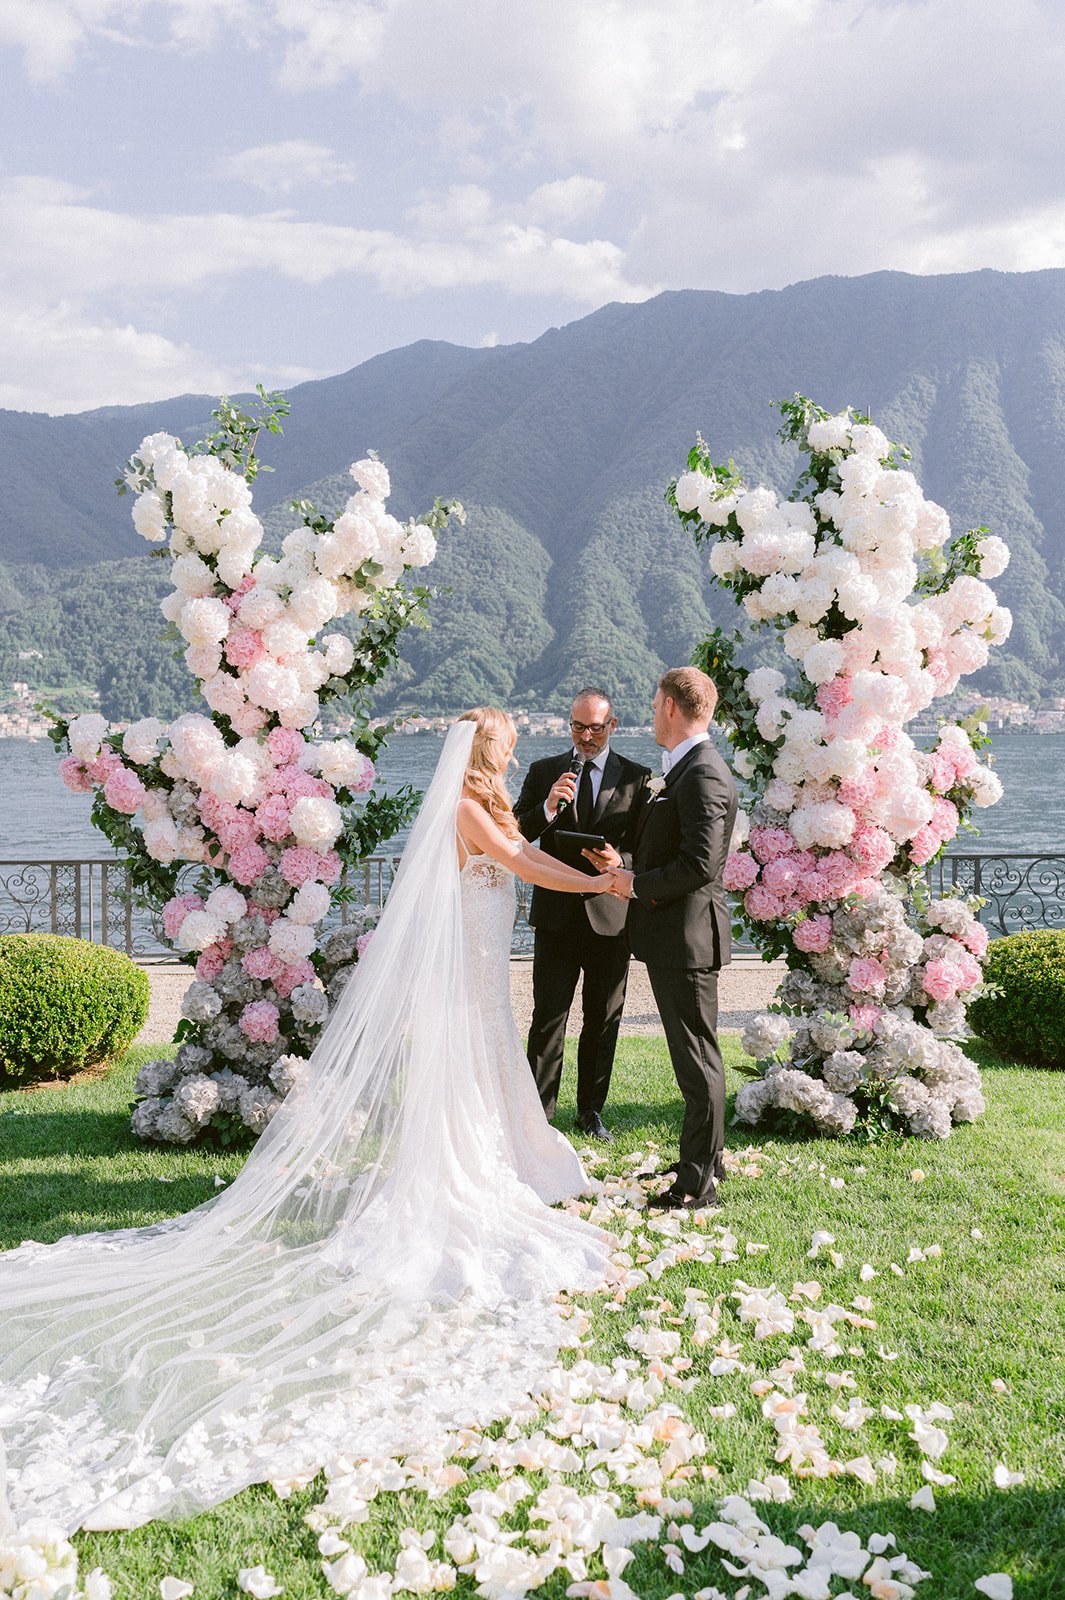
(589, 727)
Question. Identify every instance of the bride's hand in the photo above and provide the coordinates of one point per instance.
(603, 883)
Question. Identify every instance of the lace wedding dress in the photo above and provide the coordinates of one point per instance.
(383, 1270)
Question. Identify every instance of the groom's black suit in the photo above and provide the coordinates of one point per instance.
(679, 926)
(576, 934)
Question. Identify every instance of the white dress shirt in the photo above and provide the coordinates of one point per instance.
(597, 764)
(671, 757)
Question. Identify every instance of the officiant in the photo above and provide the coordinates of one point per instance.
(588, 788)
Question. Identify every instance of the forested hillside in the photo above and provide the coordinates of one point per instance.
(570, 568)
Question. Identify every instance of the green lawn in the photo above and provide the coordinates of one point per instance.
(987, 1307)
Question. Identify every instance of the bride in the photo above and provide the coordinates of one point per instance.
(385, 1268)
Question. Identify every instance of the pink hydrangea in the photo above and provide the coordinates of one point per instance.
(272, 818)
(299, 865)
(840, 872)
(866, 975)
(291, 976)
(330, 867)
(944, 819)
(248, 864)
(761, 905)
(976, 940)
(941, 979)
(246, 584)
(865, 1017)
(75, 775)
(299, 783)
(813, 933)
(740, 870)
(924, 845)
(106, 763)
(285, 745)
(268, 913)
(210, 963)
(814, 886)
(238, 830)
(938, 667)
(244, 648)
(259, 1021)
(831, 697)
(213, 812)
(858, 791)
(176, 910)
(124, 791)
(262, 963)
(247, 720)
(886, 737)
(872, 847)
(363, 941)
(780, 875)
(769, 842)
(942, 772)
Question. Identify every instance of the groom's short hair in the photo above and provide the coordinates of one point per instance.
(694, 693)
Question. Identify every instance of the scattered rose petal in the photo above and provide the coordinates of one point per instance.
(923, 1499)
(258, 1582)
(174, 1588)
(1005, 1479)
(996, 1586)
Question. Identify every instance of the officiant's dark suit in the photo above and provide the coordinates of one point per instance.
(680, 927)
(575, 934)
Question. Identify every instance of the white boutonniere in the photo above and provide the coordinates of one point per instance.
(655, 787)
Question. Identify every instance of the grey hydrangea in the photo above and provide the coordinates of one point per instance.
(201, 1002)
(192, 1057)
(271, 889)
(309, 1004)
(198, 1099)
(257, 1106)
(153, 1079)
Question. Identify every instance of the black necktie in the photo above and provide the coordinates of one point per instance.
(585, 798)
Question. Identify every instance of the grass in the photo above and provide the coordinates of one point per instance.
(986, 1308)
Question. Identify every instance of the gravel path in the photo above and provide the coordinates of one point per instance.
(746, 987)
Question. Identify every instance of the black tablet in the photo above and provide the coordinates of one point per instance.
(581, 841)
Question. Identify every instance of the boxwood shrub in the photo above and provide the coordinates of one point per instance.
(65, 1004)
(1026, 1021)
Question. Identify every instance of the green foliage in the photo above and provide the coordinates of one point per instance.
(1023, 1018)
(65, 1004)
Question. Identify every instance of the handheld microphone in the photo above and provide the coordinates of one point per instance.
(576, 766)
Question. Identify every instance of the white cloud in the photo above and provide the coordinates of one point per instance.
(55, 358)
(289, 164)
(53, 242)
(79, 281)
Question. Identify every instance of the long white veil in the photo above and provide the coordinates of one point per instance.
(375, 1276)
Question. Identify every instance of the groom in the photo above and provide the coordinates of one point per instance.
(679, 923)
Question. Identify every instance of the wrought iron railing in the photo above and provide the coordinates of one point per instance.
(1021, 891)
(91, 897)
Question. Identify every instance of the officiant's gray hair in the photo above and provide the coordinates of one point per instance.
(594, 693)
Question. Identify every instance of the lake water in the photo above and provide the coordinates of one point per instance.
(40, 819)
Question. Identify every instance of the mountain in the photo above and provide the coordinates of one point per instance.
(570, 569)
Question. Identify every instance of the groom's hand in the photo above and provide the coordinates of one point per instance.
(605, 859)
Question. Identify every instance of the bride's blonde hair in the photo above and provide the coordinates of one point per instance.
(493, 740)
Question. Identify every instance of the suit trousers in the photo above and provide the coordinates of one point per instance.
(687, 1004)
(560, 955)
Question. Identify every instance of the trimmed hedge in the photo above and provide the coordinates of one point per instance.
(1026, 1022)
(65, 1004)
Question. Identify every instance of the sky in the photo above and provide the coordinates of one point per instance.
(196, 195)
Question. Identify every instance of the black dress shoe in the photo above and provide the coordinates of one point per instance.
(592, 1124)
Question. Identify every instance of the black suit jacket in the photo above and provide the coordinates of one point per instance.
(680, 917)
(616, 810)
